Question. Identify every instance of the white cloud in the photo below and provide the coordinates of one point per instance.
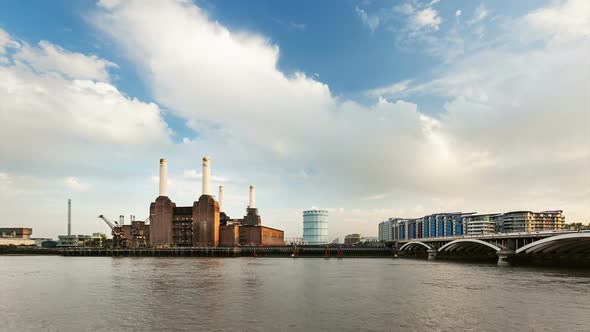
(75, 184)
(40, 109)
(426, 18)
(292, 125)
(192, 174)
(5, 181)
(405, 8)
(569, 19)
(49, 58)
(498, 144)
(298, 26)
(369, 20)
(479, 14)
(393, 90)
(55, 122)
(458, 13)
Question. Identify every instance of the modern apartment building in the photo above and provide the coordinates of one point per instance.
(480, 224)
(529, 221)
(386, 229)
(455, 224)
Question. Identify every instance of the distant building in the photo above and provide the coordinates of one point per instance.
(336, 240)
(528, 221)
(17, 236)
(16, 232)
(294, 240)
(39, 240)
(386, 230)
(95, 240)
(67, 241)
(351, 239)
(369, 239)
(315, 226)
(481, 224)
(454, 224)
(205, 223)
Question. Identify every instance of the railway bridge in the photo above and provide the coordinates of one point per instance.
(506, 247)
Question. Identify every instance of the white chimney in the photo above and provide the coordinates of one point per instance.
(163, 177)
(252, 204)
(221, 199)
(206, 175)
(69, 217)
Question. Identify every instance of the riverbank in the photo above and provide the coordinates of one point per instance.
(23, 250)
(279, 251)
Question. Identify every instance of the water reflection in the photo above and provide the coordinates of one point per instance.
(269, 294)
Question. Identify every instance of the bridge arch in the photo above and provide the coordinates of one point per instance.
(467, 243)
(415, 244)
(578, 242)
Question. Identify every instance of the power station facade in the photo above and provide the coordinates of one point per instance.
(205, 223)
(315, 226)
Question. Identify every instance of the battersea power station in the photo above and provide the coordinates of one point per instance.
(205, 222)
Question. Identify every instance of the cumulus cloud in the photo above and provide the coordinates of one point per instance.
(73, 183)
(426, 18)
(249, 111)
(497, 144)
(59, 116)
(371, 21)
(40, 109)
(569, 20)
(479, 14)
(260, 119)
(49, 58)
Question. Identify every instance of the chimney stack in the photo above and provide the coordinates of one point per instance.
(163, 177)
(206, 176)
(69, 217)
(252, 204)
(221, 199)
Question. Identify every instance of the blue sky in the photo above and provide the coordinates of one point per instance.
(327, 37)
(372, 109)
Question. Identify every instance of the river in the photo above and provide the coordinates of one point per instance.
(286, 294)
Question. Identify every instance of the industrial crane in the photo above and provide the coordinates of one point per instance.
(119, 240)
(139, 232)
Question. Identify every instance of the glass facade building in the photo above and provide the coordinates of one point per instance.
(456, 224)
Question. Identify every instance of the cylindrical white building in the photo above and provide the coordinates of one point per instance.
(315, 226)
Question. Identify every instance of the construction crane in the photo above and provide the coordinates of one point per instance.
(119, 240)
(139, 232)
(135, 235)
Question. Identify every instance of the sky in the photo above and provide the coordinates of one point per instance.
(369, 109)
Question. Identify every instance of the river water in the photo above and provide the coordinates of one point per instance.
(286, 294)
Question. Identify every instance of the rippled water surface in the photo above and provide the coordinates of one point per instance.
(281, 294)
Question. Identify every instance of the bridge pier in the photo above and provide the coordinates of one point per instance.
(432, 254)
(504, 256)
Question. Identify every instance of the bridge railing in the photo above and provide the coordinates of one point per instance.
(491, 236)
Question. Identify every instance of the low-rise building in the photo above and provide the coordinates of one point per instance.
(529, 221)
(16, 236)
(351, 239)
(94, 240)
